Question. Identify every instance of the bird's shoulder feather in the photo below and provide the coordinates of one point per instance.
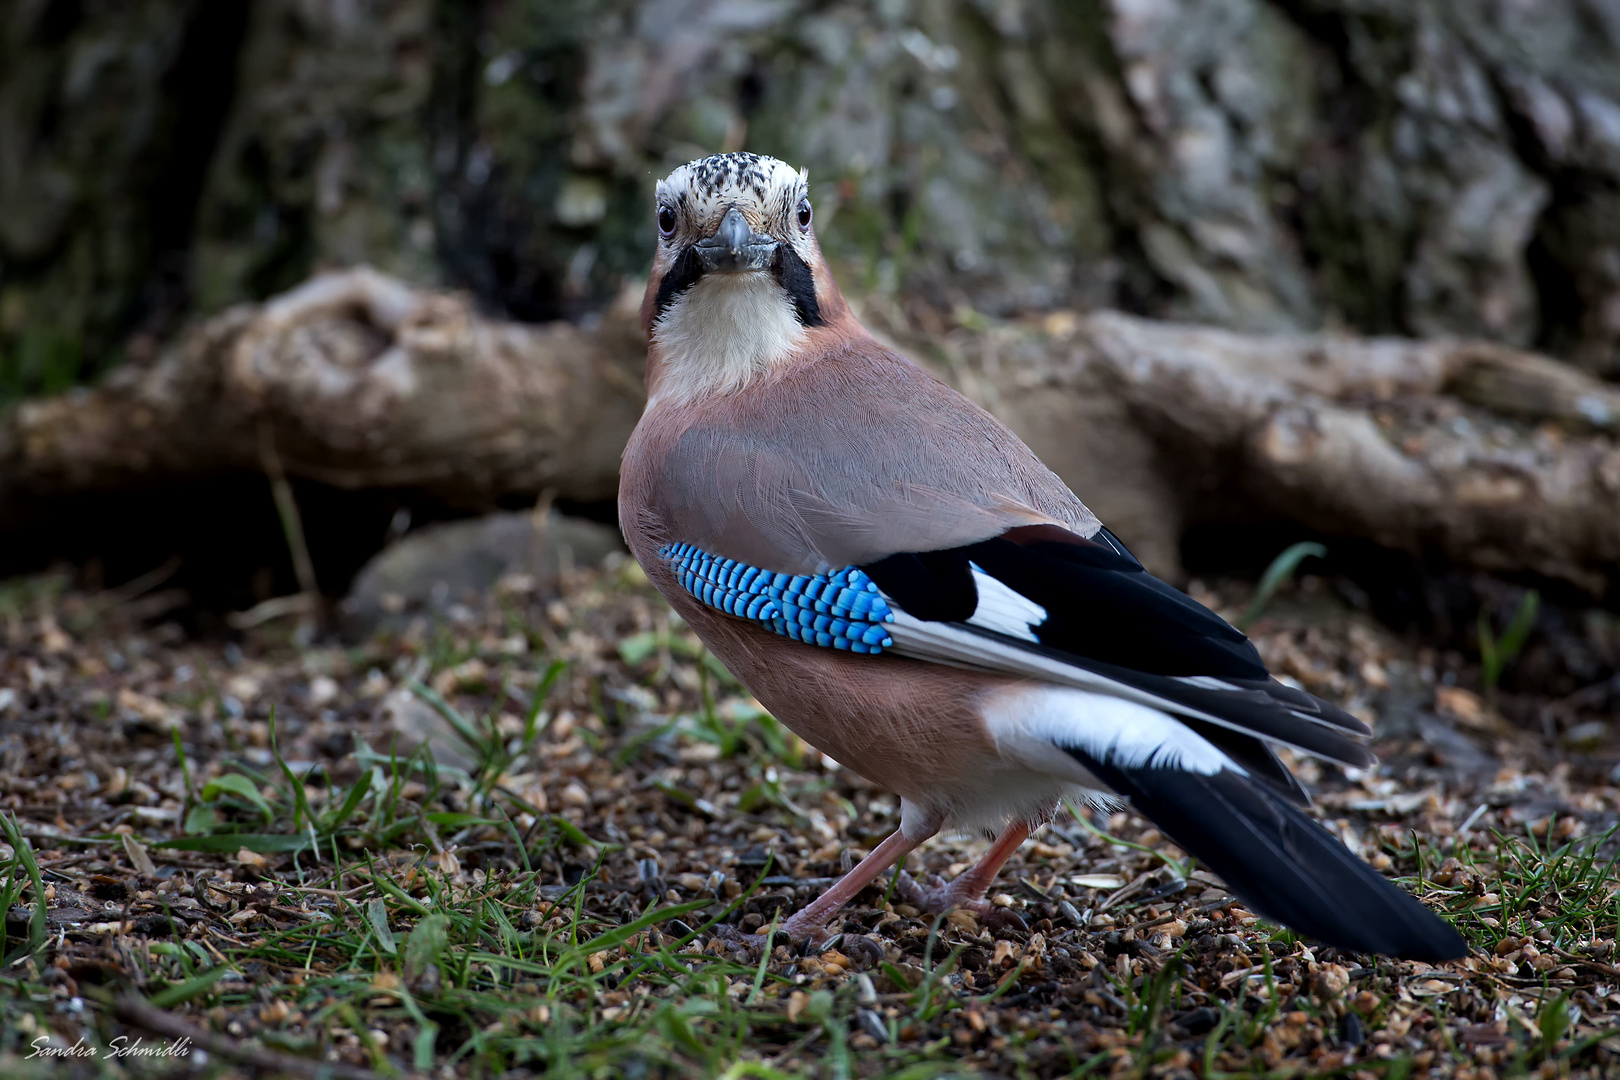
(841, 459)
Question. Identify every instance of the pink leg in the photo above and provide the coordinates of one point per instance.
(968, 888)
(973, 883)
(813, 918)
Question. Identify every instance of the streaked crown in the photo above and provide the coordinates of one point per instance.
(771, 195)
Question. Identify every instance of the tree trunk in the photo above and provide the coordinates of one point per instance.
(1420, 167)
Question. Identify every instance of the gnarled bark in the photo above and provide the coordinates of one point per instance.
(1423, 167)
(1481, 455)
(359, 381)
(1473, 453)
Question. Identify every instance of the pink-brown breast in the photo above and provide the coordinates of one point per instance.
(815, 468)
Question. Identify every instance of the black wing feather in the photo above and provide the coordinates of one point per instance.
(1104, 606)
(1107, 615)
(935, 586)
(1254, 710)
(1105, 537)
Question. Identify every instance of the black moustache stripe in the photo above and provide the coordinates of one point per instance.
(790, 271)
(799, 282)
(682, 276)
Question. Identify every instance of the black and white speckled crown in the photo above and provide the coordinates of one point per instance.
(766, 189)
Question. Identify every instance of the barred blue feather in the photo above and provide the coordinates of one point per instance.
(841, 610)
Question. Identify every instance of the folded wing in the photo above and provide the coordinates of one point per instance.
(1049, 604)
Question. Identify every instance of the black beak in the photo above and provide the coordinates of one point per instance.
(734, 246)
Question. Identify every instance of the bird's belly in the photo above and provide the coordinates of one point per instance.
(907, 725)
(913, 727)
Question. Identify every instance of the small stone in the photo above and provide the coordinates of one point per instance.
(872, 1025)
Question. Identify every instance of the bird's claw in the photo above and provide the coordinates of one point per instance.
(854, 946)
(857, 947)
(755, 945)
(1003, 919)
(938, 897)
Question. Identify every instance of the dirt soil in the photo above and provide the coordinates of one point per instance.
(534, 894)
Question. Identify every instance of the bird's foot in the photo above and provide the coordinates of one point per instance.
(938, 896)
(753, 945)
(863, 950)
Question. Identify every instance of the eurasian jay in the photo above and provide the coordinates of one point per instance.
(900, 581)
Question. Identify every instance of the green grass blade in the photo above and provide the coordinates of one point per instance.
(300, 801)
(452, 716)
(377, 916)
(1280, 570)
(351, 803)
(263, 843)
(23, 853)
(182, 992)
(243, 788)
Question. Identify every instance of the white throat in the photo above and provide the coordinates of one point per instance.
(722, 333)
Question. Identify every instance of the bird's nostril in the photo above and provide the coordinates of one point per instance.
(734, 245)
(734, 231)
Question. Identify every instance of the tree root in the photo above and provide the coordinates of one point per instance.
(1475, 454)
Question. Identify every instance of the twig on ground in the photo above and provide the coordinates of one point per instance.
(137, 1012)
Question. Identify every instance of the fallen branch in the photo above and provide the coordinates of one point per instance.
(358, 381)
(1474, 454)
(1480, 455)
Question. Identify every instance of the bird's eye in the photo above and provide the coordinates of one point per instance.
(666, 220)
(804, 215)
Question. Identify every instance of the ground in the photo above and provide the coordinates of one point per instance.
(498, 844)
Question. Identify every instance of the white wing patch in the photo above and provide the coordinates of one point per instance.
(1003, 609)
(942, 643)
(1027, 721)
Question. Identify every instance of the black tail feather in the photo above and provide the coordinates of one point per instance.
(1254, 755)
(1280, 863)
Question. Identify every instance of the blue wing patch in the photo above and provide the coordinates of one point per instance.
(841, 610)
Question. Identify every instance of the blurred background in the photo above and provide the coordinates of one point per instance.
(1391, 166)
(992, 179)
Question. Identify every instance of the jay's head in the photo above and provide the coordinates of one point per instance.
(738, 280)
